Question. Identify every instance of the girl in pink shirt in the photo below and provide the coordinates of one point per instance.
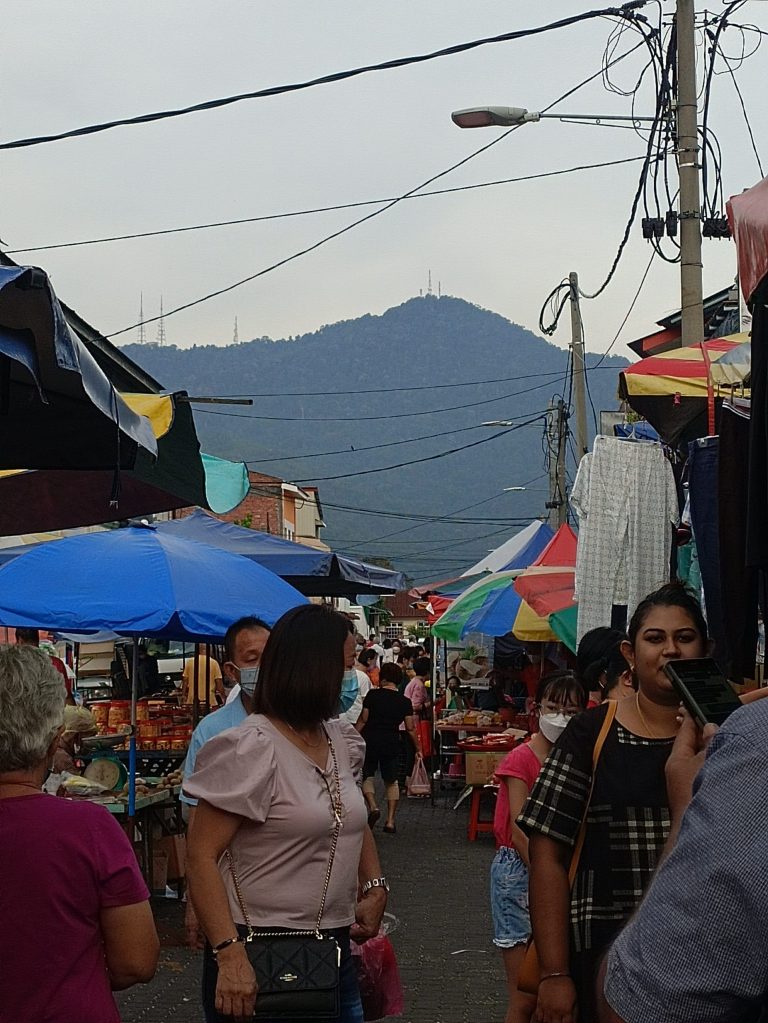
(558, 698)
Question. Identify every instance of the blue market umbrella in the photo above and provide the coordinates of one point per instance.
(138, 582)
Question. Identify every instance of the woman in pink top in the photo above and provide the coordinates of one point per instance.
(558, 698)
(268, 795)
(76, 922)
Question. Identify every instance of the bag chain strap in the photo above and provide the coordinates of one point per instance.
(336, 808)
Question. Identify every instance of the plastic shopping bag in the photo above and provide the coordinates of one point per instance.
(419, 781)
(380, 989)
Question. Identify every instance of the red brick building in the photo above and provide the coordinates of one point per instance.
(262, 508)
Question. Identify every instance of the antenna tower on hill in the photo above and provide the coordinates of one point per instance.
(142, 339)
(161, 325)
(235, 335)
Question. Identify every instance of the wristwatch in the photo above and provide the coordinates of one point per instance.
(375, 882)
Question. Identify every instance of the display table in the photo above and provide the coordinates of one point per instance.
(449, 747)
(150, 820)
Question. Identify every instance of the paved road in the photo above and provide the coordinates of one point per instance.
(440, 897)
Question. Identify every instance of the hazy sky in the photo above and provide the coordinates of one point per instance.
(66, 63)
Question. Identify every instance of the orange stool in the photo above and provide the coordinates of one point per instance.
(477, 826)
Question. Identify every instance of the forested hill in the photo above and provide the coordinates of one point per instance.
(421, 344)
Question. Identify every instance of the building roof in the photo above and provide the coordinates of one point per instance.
(402, 605)
(721, 318)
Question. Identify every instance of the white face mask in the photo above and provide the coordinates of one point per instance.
(552, 726)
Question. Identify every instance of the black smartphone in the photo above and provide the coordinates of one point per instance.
(706, 693)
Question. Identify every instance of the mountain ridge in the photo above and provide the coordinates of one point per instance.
(420, 344)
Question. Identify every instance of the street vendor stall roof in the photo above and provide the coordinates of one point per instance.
(672, 390)
(316, 573)
(58, 409)
(748, 218)
(179, 477)
(519, 550)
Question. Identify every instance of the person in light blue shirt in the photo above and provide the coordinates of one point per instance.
(243, 645)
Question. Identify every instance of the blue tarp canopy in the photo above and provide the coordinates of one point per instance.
(313, 572)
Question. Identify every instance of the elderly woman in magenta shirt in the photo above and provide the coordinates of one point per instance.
(263, 791)
(76, 921)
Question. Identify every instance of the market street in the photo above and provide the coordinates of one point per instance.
(440, 898)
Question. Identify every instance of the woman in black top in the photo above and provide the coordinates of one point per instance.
(627, 821)
(384, 710)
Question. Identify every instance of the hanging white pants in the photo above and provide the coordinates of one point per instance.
(625, 497)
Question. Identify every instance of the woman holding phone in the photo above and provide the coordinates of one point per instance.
(627, 818)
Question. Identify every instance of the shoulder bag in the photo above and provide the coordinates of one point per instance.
(297, 971)
(530, 972)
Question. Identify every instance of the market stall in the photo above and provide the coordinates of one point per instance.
(139, 583)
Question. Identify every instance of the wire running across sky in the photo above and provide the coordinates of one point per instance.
(339, 76)
(426, 458)
(368, 216)
(321, 209)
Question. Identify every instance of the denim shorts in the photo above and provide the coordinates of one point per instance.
(509, 899)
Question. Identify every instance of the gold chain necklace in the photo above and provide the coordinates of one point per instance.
(645, 724)
(312, 745)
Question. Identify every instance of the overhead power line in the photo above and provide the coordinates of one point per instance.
(370, 419)
(386, 390)
(383, 209)
(448, 515)
(419, 461)
(339, 76)
(320, 209)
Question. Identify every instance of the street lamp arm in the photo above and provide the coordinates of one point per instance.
(506, 117)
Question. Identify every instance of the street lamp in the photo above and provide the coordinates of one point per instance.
(508, 117)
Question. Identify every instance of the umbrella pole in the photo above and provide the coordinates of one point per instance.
(132, 740)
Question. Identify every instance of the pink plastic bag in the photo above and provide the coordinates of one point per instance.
(379, 978)
(419, 781)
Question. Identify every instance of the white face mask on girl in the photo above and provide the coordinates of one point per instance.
(552, 726)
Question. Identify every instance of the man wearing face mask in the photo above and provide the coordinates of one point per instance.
(354, 685)
(243, 644)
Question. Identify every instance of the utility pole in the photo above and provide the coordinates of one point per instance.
(562, 439)
(579, 370)
(557, 506)
(691, 291)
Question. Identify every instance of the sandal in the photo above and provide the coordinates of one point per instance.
(389, 829)
(373, 816)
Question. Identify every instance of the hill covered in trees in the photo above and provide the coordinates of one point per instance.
(415, 382)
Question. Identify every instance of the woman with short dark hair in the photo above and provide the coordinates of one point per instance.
(276, 794)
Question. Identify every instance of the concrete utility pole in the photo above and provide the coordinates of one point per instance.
(579, 370)
(691, 291)
(557, 505)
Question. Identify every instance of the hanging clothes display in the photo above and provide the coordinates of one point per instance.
(757, 535)
(743, 586)
(703, 475)
(626, 500)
